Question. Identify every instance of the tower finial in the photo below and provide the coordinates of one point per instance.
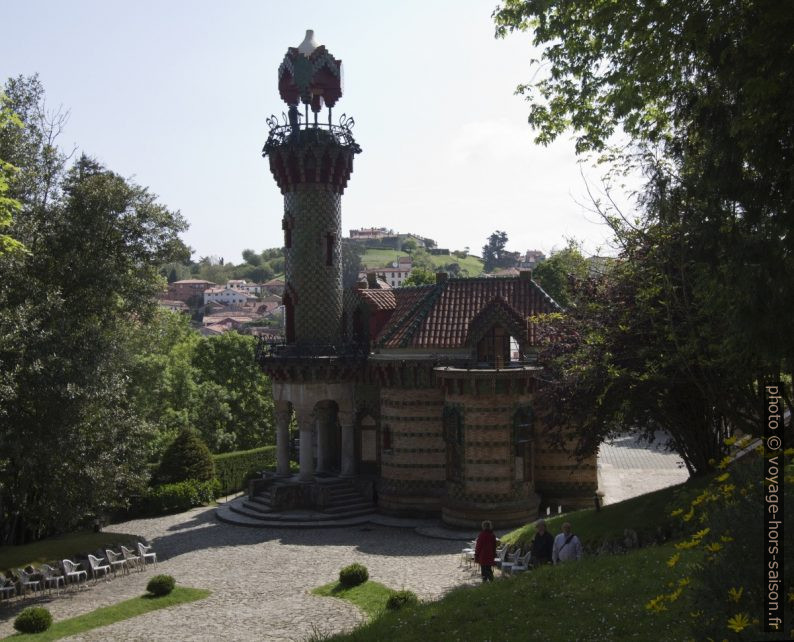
(309, 44)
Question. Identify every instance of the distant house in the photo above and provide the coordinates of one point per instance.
(531, 259)
(173, 306)
(275, 286)
(244, 286)
(184, 290)
(227, 296)
(370, 233)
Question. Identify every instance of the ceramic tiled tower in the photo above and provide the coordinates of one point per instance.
(311, 162)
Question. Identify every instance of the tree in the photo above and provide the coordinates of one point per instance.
(8, 205)
(420, 276)
(494, 251)
(556, 273)
(701, 92)
(186, 458)
(252, 258)
(69, 438)
(409, 246)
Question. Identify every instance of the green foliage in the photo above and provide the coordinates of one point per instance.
(555, 273)
(420, 276)
(186, 458)
(177, 497)
(370, 596)
(399, 599)
(724, 522)
(8, 206)
(70, 440)
(33, 619)
(494, 252)
(234, 469)
(161, 585)
(353, 575)
(212, 384)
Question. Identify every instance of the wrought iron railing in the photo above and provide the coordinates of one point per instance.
(269, 350)
(290, 129)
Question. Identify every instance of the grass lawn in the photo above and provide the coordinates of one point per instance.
(599, 598)
(60, 547)
(110, 614)
(370, 596)
(375, 258)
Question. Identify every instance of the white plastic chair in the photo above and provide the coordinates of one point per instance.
(26, 581)
(72, 571)
(116, 561)
(512, 558)
(131, 558)
(96, 566)
(501, 555)
(522, 563)
(51, 577)
(143, 552)
(7, 588)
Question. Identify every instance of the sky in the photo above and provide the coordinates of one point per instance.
(175, 95)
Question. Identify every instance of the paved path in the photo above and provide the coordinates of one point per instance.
(261, 577)
(628, 467)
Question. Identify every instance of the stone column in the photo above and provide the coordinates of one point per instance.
(348, 444)
(282, 416)
(305, 419)
(322, 439)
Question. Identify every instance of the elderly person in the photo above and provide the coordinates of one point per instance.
(542, 545)
(485, 551)
(566, 546)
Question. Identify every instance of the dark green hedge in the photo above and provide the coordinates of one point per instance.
(233, 470)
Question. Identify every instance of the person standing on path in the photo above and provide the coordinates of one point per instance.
(542, 545)
(485, 551)
(566, 546)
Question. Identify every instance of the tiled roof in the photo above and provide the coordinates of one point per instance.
(380, 299)
(439, 316)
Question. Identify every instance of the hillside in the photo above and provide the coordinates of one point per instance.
(380, 257)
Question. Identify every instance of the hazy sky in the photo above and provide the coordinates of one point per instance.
(175, 95)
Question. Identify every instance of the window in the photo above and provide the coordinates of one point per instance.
(286, 225)
(453, 436)
(329, 248)
(494, 347)
(523, 436)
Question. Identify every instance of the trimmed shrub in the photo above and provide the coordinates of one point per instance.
(234, 469)
(353, 575)
(175, 498)
(186, 458)
(399, 599)
(161, 585)
(33, 619)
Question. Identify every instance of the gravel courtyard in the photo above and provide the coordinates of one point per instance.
(260, 578)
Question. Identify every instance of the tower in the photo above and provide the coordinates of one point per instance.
(311, 162)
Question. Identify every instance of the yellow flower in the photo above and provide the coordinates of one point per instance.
(701, 534)
(713, 547)
(735, 594)
(656, 604)
(674, 560)
(684, 581)
(724, 463)
(689, 515)
(728, 489)
(729, 441)
(676, 512)
(685, 546)
(726, 538)
(739, 622)
(675, 595)
(788, 452)
(723, 477)
(696, 614)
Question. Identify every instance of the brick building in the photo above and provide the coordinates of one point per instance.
(424, 394)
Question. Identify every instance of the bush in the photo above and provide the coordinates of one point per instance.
(161, 585)
(33, 619)
(399, 599)
(233, 470)
(186, 458)
(353, 575)
(174, 498)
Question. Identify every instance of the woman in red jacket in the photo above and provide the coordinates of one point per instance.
(485, 551)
